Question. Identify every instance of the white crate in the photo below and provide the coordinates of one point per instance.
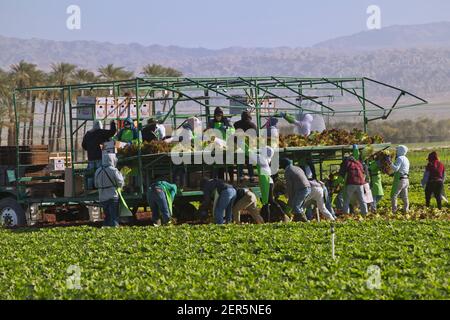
(111, 109)
(144, 110)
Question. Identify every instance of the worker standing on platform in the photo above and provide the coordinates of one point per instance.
(150, 132)
(92, 141)
(160, 198)
(220, 122)
(303, 124)
(245, 124)
(128, 134)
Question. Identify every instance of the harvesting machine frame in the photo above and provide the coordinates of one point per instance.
(292, 93)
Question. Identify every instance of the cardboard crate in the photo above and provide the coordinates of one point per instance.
(68, 188)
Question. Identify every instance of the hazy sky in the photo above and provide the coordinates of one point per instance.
(209, 23)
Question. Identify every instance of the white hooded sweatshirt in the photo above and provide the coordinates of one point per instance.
(401, 164)
(108, 178)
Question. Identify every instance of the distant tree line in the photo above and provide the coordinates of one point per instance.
(24, 74)
(406, 131)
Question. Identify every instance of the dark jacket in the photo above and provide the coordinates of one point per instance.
(224, 124)
(94, 138)
(245, 123)
(149, 132)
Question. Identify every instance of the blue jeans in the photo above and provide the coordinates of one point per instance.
(158, 204)
(89, 176)
(299, 200)
(111, 209)
(225, 204)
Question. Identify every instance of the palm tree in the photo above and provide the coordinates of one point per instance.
(84, 76)
(26, 74)
(61, 75)
(157, 70)
(112, 73)
(5, 100)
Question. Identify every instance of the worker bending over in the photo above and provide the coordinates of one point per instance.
(317, 196)
(246, 200)
(298, 188)
(224, 195)
(160, 197)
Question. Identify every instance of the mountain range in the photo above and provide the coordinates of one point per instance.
(415, 57)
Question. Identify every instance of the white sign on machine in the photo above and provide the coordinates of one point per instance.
(102, 108)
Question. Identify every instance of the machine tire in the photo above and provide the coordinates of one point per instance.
(185, 212)
(11, 213)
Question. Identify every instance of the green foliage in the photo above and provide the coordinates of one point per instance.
(156, 70)
(274, 261)
(406, 131)
(111, 73)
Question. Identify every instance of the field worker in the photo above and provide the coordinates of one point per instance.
(128, 134)
(266, 183)
(308, 167)
(160, 130)
(224, 195)
(160, 198)
(92, 141)
(353, 172)
(245, 124)
(107, 180)
(220, 122)
(317, 197)
(150, 132)
(376, 185)
(303, 122)
(400, 184)
(272, 132)
(433, 179)
(298, 188)
(246, 200)
(185, 136)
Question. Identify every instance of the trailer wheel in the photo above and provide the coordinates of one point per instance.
(11, 213)
(185, 212)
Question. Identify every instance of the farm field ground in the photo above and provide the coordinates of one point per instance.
(293, 261)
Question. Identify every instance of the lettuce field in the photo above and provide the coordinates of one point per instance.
(375, 259)
(381, 256)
